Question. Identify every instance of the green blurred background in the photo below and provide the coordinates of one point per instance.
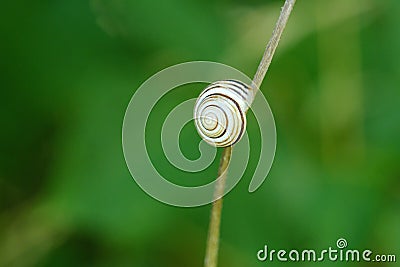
(69, 69)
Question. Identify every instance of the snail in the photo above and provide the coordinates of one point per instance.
(220, 112)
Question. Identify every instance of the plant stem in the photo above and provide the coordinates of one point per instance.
(273, 43)
(211, 258)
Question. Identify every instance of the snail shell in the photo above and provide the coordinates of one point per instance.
(220, 112)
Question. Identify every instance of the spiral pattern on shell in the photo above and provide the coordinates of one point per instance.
(220, 112)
